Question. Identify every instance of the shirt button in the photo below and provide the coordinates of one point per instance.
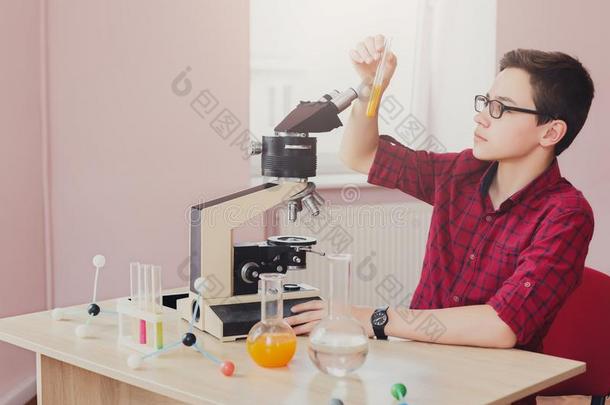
(527, 284)
(456, 298)
(489, 218)
(472, 257)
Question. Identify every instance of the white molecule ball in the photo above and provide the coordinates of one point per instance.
(99, 260)
(58, 314)
(199, 285)
(134, 361)
(83, 331)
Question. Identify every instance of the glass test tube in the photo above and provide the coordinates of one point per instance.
(375, 97)
(133, 277)
(146, 303)
(135, 280)
(157, 304)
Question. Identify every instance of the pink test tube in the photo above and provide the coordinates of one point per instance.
(137, 279)
(142, 331)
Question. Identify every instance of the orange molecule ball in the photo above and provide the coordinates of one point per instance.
(227, 368)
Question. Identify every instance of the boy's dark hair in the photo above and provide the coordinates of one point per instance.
(561, 87)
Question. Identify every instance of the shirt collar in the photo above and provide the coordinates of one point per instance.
(550, 176)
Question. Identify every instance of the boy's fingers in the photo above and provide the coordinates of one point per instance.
(355, 56)
(390, 67)
(379, 42)
(304, 317)
(369, 42)
(302, 329)
(364, 53)
(306, 306)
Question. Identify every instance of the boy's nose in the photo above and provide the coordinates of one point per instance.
(481, 119)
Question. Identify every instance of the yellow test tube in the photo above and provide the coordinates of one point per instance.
(375, 97)
(157, 304)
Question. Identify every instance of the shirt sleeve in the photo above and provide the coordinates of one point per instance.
(548, 270)
(416, 173)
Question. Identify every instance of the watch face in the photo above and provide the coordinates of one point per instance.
(379, 318)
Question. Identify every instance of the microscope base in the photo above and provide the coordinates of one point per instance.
(231, 318)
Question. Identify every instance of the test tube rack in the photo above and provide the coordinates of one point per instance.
(143, 319)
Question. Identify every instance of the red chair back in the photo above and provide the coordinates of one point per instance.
(581, 331)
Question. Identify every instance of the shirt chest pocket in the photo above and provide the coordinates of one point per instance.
(502, 259)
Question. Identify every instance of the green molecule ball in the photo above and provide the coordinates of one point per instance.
(399, 391)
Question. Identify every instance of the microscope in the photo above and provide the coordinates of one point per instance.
(230, 303)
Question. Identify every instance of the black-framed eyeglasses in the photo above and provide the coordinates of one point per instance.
(497, 108)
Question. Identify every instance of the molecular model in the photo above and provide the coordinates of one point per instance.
(93, 310)
(189, 339)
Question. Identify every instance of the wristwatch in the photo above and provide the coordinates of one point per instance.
(379, 319)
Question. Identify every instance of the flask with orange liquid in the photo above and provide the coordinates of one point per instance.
(271, 342)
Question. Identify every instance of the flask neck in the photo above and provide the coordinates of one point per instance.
(340, 280)
(271, 297)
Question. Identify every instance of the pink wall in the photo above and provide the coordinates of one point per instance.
(580, 29)
(22, 288)
(128, 155)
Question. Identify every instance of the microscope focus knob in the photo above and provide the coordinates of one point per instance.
(255, 148)
(250, 272)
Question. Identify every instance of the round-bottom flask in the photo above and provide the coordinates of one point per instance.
(271, 342)
(338, 344)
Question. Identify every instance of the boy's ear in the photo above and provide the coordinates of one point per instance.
(555, 131)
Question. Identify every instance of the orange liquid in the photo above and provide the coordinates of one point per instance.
(371, 108)
(272, 349)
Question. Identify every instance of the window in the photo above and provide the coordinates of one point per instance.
(446, 54)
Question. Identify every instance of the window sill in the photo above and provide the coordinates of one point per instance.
(329, 181)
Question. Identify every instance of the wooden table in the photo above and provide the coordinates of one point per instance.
(94, 370)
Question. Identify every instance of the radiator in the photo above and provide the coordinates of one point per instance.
(387, 243)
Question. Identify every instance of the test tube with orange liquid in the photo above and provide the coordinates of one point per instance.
(375, 98)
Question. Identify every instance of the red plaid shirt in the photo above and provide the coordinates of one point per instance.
(523, 259)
